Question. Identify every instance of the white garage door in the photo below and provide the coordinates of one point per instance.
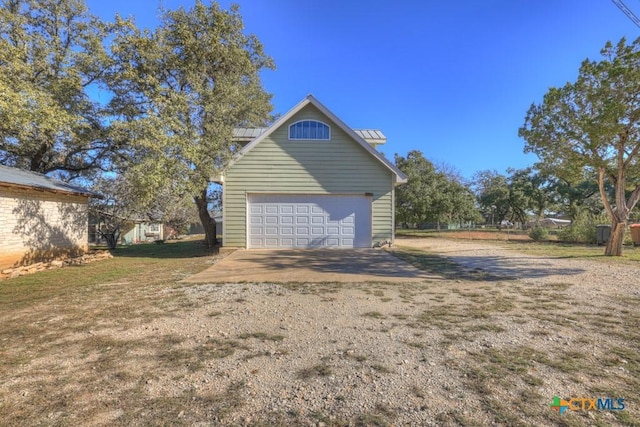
(309, 221)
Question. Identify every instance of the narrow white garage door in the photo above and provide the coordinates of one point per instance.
(309, 221)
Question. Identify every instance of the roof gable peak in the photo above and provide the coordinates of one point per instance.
(357, 136)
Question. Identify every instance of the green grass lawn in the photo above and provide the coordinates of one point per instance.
(140, 265)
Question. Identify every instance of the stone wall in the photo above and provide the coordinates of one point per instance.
(23, 270)
(40, 226)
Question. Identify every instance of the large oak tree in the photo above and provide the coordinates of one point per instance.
(182, 89)
(52, 56)
(431, 194)
(595, 122)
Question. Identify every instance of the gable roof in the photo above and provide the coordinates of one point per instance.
(26, 179)
(357, 136)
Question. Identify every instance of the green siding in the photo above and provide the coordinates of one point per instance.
(277, 165)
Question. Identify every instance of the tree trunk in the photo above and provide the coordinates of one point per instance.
(111, 237)
(618, 215)
(614, 245)
(207, 222)
(112, 240)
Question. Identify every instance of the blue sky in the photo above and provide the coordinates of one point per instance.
(452, 79)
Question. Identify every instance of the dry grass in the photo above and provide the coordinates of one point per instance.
(520, 241)
(262, 336)
(487, 234)
(319, 370)
(498, 349)
(60, 361)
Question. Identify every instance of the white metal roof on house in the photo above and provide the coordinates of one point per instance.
(23, 178)
(247, 134)
(372, 136)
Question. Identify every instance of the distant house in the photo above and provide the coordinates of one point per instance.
(130, 231)
(144, 231)
(309, 181)
(41, 219)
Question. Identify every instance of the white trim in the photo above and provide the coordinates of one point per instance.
(308, 139)
(246, 219)
(399, 177)
(393, 213)
(370, 196)
(224, 215)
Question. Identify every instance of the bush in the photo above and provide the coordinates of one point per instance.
(583, 229)
(539, 234)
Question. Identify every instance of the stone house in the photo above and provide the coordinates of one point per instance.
(41, 219)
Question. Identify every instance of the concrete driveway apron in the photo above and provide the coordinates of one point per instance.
(310, 265)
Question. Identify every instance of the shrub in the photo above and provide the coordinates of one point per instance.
(538, 234)
(583, 229)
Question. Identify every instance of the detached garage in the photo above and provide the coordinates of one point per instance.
(308, 181)
(309, 221)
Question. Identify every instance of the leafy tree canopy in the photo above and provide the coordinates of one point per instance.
(183, 88)
(432, 194)
(594, 122)
(492, 192)
(52, 54)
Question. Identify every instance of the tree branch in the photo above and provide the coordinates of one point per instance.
(603, 193)
(633, 198)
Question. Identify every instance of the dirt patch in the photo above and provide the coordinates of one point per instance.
(461, 351)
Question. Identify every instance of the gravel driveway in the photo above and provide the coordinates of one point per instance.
(440, 352)
(454, 350)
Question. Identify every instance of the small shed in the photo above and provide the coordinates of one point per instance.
(139, 230)
(41, 219)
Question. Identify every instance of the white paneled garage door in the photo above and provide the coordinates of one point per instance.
(309, 221)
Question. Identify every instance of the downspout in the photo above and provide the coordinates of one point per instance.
(393, 210)
(224, 209)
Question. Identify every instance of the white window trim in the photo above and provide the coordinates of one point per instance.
(308, 139)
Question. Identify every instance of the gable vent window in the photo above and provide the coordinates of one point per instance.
(309, 129)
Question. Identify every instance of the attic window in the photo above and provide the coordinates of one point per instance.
(309, 129)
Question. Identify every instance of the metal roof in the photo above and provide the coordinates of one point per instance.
(372, 136)
(23, 178)
(247, 134)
